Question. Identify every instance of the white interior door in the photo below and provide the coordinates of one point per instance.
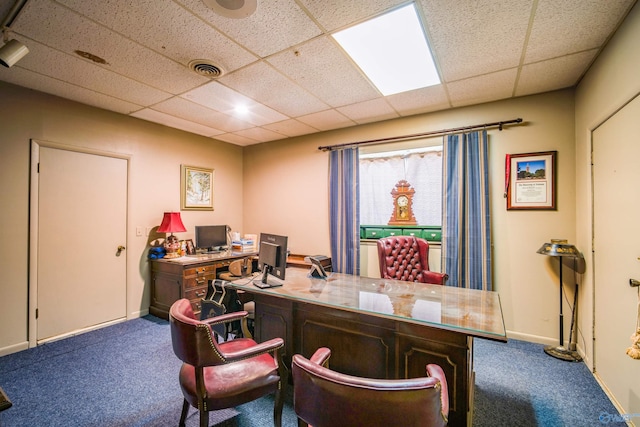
(82, 210)
(616, 176)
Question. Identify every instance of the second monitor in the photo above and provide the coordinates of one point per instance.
(272, 259)
(211, 238)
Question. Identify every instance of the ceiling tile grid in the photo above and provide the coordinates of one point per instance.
(283, 64)
(322, 68)
(42, 83)
(274, 90)
(554, 73)
(61, 66)
(476, 37)
(173, 32)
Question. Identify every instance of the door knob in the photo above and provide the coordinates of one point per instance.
(120, 249)
(634, 283)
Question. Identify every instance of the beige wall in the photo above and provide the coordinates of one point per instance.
(156, 153)
(612, 81)
(296, 171)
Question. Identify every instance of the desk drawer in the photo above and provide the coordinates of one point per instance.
(432, 235)
(197, 281)
(199, 271)
(373, 233)
(195, 294)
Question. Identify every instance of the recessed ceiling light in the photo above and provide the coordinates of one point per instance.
(241, 110)
(392, 51)
(236, 9)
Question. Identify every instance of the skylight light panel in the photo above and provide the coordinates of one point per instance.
(392, 51)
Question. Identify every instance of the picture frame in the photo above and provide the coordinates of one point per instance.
(190, 247)
(196, 188)
(531, 181)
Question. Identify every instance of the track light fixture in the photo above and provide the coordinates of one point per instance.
(12, 51)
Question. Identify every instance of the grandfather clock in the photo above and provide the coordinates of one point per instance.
(402, 204)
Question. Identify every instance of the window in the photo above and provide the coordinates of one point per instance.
(379, 173)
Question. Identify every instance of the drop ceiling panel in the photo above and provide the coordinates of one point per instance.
(476, 37)
(369, 111)
(477, 90)
(67, 31)
(174, 32)
(25, 78)
(175, 122)
(560, 28)
(553, 74)
(187, 110)
(274, 26)
(274, 90)
(326, 120)
(432, 98)
(260, 134)
(337, 14)
(291, 128)
(322, 68)
(85, 74)
(236, 139)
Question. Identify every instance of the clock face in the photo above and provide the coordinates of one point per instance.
(403, 201)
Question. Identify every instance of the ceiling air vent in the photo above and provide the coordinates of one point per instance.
(206, 68)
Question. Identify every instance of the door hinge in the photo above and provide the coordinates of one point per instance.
(38, 167)
(37, 313)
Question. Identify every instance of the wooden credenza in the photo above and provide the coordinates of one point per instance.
(186, 277)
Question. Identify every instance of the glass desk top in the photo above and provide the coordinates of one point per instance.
(469, 311)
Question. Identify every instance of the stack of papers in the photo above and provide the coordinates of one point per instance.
(243, 245)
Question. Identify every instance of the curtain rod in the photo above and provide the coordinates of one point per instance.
(419, 135)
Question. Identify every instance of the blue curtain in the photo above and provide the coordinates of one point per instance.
(466, 237)
(344, 210)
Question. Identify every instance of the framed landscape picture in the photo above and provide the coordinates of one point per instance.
(196, 186)
(531, 181)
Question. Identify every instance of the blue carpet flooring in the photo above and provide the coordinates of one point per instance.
(126, 375)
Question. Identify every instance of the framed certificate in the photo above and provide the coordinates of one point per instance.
(531, 180)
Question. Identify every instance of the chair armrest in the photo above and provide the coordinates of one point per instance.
(436, 371)
(434, 277)
(225, 318)
(321, 356)
(253, 351)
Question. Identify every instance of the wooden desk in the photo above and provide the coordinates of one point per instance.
(186, 277)
(381, 328)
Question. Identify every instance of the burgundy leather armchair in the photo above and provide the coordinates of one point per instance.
(407, 258)
(216, 376)
(325, 398)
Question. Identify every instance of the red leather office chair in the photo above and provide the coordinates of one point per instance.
(217, 376)
(325, 398)
(407, 258)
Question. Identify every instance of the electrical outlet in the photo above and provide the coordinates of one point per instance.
(138, 231)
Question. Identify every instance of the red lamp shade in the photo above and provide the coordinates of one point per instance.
(171, 223)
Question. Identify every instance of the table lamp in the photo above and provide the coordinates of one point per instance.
(560, 248)
(171, 223)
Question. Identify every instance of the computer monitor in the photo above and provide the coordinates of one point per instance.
(211, 238)
(272, 259)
